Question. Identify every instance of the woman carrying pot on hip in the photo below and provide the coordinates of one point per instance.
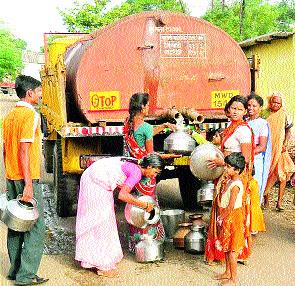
(97, 240)
(238, 137)
(138, 137)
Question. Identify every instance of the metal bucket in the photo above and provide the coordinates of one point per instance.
(20, 216)
(171, 219)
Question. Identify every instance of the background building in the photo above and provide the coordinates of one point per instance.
(272, 60)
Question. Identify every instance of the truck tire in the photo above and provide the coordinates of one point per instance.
(48, 147)
(188, 185)
(65, 186)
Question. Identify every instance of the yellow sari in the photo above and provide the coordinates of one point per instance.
(282, 166)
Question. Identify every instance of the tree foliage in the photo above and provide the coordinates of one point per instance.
(89, 17)
(10, 54)
(259, 17)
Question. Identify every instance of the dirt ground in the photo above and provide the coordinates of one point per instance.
(272, 261)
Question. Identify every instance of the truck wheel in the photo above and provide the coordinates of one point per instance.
(65, 186)
(188, 185)
(48, 146)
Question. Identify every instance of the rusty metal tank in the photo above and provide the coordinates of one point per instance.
(179, 60)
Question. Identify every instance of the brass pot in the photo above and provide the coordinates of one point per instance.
(183, 230)
(197, 219)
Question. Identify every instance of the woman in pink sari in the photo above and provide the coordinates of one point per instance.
(97, 240)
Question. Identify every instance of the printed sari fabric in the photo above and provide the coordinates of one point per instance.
(282, 166)
(144, 187)
(213, 249)
(232, 231)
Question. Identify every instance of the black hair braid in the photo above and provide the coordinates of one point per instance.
(131, 122)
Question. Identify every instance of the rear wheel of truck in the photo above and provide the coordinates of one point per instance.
(66, 186)
(48, 155)
(188, 185)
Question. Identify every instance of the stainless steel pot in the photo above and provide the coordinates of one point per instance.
(199, 160)
(3, 203)
(205, 193)
(194, 241)
(139, 217)
(171, 219)
(19, 215)
(179, 142)
(149, 249)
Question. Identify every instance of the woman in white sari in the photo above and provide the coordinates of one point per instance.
(262, 138)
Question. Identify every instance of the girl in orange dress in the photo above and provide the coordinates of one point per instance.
(231, 218)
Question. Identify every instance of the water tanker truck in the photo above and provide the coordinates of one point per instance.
(87, 81)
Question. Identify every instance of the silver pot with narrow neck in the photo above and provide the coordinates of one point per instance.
(194, 241)
(199, 162)
(20, 215)
(149, 249)
(139, 217)
(205, 193)
(179, 142)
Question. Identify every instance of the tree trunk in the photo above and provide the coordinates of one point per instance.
(183, 7)
(223, 4)
(242, 17)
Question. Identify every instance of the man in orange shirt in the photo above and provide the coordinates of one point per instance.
(21, 138)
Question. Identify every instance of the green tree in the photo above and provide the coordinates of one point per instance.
(287, 14)
(244, 19)
(10, 53)
(89, 17)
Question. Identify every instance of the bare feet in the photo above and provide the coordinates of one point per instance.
(279, 208)
(266, 201)
(109, 273)
(221, 276)
(244, 262)
(210, 262)
(228, 283)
